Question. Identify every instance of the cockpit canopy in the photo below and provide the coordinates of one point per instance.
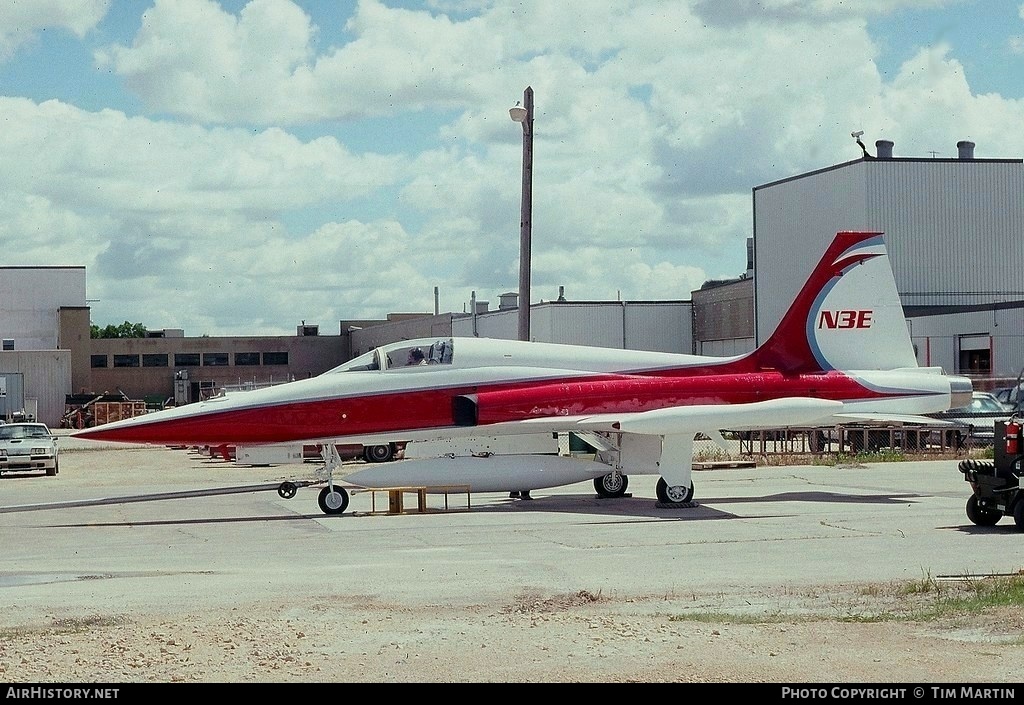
(402, 354)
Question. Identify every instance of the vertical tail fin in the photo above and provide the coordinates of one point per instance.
(847, 316)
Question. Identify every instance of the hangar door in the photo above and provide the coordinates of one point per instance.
(975, 356)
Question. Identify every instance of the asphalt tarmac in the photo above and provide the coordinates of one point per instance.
(153, 528)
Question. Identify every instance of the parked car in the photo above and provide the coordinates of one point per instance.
(28, 446)
(979, 416)
(1008, 395)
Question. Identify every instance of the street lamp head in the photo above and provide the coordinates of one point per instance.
(517, 113)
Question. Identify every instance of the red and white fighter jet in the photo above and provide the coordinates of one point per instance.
(841, 353)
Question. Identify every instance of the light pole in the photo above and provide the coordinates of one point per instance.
(523, 114)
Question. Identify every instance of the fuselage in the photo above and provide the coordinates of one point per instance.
(478, 384)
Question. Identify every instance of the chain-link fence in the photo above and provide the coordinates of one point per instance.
(938, 440)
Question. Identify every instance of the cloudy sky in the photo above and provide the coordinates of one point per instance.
(234, 167)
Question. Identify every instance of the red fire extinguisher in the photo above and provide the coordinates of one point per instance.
(1012, 438)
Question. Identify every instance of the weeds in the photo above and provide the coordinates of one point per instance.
(68, 625)
(921, 600)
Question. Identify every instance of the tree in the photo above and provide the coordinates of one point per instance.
(124, 330)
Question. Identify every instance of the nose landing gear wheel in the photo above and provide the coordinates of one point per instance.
(333, 501)
(287, 490)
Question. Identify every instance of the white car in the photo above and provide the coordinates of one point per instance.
(27, 446)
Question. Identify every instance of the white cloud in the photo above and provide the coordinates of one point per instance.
(229, 208)
(20, 22)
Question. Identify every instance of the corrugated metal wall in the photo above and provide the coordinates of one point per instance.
(12, 394)
(47, 376)
(595, 324)
(503, 325)
(794, 221)
(658, 326)
(939, 339)
(955, 234)
(955, 230)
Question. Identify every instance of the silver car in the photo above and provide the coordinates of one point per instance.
(28, 446)
(979, 417)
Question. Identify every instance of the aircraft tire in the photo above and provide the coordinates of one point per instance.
(379, 453)
(335, 502)
(287, 490)
(983, 516)
(673, 495)
(613, 484)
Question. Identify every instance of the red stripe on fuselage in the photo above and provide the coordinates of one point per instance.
(394, 413)
(635, 394)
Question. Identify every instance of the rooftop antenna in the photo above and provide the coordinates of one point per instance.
(856, 136)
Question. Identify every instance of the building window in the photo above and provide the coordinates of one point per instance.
(275, 358)
(186, 359)
(126, 360)
(97, 361)
(154, 360)
(251, 358)
(215, 359)
(8, 343)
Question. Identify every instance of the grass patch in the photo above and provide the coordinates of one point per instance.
(921, 600)
(67, 625)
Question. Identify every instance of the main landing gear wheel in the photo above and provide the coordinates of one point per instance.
(611, 485)
(379, 453)
(287, 490)
(333, 501)
(677, 494)
(981, 516)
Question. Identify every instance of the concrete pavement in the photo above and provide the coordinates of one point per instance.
(123, 526)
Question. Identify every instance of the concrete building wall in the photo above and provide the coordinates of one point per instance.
(724, 312)
(32, 297)
(146, 367)
(725, 348)
(73, 328)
